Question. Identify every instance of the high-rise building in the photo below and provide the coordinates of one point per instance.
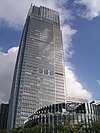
(3, 115)
(39, 71)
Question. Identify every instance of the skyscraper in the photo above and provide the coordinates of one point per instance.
(39, 71)
(3, 115)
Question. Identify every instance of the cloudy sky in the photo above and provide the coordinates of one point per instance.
(80, 24)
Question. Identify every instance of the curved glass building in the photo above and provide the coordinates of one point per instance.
(64, 113)
(39, 71)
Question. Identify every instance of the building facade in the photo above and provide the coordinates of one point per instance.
(76, 99)
(70, 112)
(39, 71)
(3, 115)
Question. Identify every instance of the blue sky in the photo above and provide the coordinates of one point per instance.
(86, 44)
(80, 24)
(9, 37)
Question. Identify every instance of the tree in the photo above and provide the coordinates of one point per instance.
(79, 127)
(68, 127)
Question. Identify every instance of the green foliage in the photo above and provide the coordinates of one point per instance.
(3, 131)
(62, 128)
(96, 126)
(26, 130)
(79, 128)
(36, 129)
(67, 128)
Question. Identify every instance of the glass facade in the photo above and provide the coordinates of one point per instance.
(3, 115)
(39, 71)
(70, 112)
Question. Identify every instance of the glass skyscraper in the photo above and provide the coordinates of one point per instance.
(39, 71)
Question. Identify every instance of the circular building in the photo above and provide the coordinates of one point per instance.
(70, 112)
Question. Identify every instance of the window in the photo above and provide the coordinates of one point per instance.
(40, 70)
(45, 71)
(51, 73)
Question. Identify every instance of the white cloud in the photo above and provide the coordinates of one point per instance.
(7, 62)
(92, 8)
(14, 14)
(74, 87)
(67, 33)
(98, 81)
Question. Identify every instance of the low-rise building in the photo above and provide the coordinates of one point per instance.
(71, 112)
